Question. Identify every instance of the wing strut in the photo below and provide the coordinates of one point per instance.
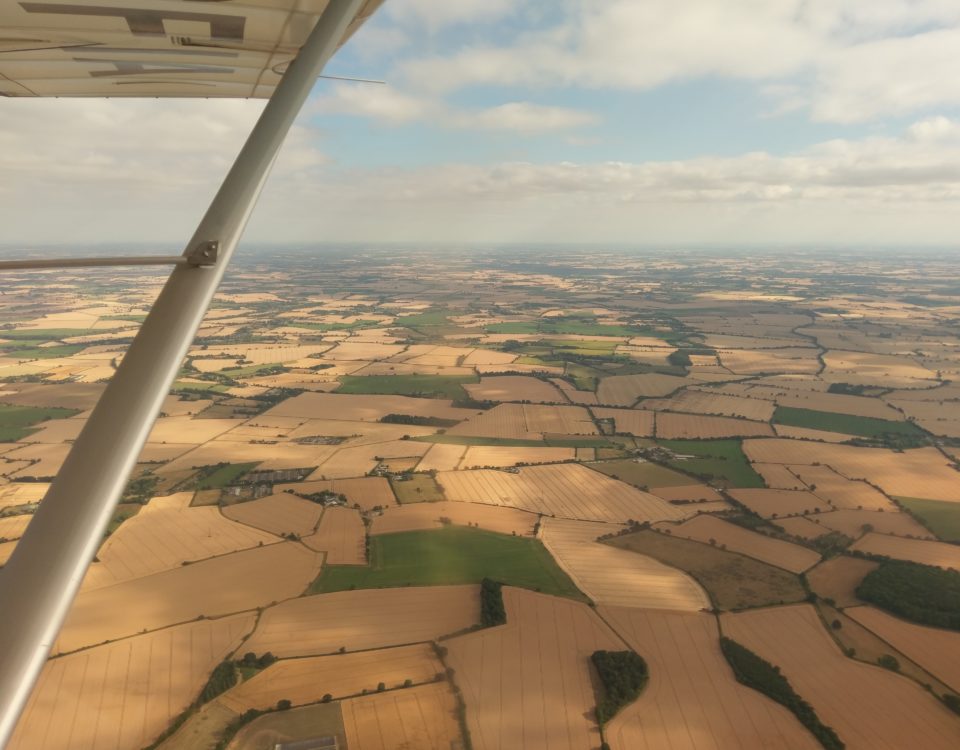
(39, 582)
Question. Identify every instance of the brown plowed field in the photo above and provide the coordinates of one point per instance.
(693, 701)
(775, 503)
(415, 516)
(869, 707)
(164, 534)
(936, 650)
(495, 455)
(365, 408)
(851, 522)
(367, 492)
(838, 403)
(929, 553)
(122, 695)
(563, 490)
(778, 476)
(919, 472)
(341, 536)
(623, 390)
(784, 555)
(359, 620)
(230, 583)
(636, 422)
(421, 717)
(527, 684)
(307, 680)
(614, 576)
(442, 458)
(770, 360)
(682, 426)
(527, 422)
(279, 514)
(705, 402)
(515, 388)
(838, 578)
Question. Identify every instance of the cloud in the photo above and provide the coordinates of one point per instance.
(394, 107)
(438, 14)
(858, 59)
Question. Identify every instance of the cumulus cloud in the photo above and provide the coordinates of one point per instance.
(392, 106)
(864, 58)
(438, 14)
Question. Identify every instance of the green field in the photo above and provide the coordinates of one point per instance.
(450, 555)
(572, 326)
(843, 423)
(45, 352)
(419, 488)
(942, 518)
(251, 370)
(717, 459)
(363, 323)
(436, 317)
(16, 421)
(646, 474)
(221, 476)
(429, 386)
(565, 442)
(212, 385)
(41, 335)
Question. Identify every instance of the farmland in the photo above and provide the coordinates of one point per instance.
(353, 445)
(450, 555)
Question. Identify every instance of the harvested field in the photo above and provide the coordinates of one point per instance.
(936, 650)
(743, 362)
(841, 492)
(417, 488)
(12, 527)
(278, 514)
(308, 679)
(20, 494)
(306, 723)
(717, 404)
(852, 522)
(920, 472)
(778, 476)
(838, 578)
(684, 426)
(733, 581)
(614, 576)
(363, 352)
(699, 493)
(416, 516)
(838, 403)
(189, 430)
(537, 666)
(642, 473)
(692, 699)
(805, 433)
(802, 527)
(363, 408)
(367, 492)
(527, 422)
(419, 717)
(880, 369)
(869, 707)
(341, 535)
(563, 490)
(166, 533)
(442, 457)
(359, 620)
(45, 460)
(515, 388)
(122, 695)
(230, 583)
(782, 554)
(634, 422)
(777, 503)
(624, 390)
(939, 554)
(499, 456)
(279, 456)
(357, 461)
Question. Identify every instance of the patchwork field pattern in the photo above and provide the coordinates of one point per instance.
(415, 516)
(928, 553)
(341, 535)
(419, 717)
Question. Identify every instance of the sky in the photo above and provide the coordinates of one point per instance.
(633, 122)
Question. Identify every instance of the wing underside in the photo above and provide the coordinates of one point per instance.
(152, 48)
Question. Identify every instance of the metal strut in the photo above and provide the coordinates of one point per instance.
(41, 578)
(204, 254)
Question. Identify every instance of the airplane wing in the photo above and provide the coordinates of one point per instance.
(155, 48)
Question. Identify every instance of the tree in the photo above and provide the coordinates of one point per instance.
(889, 662)
(283, 705)
(381, 687)
(326, 698)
